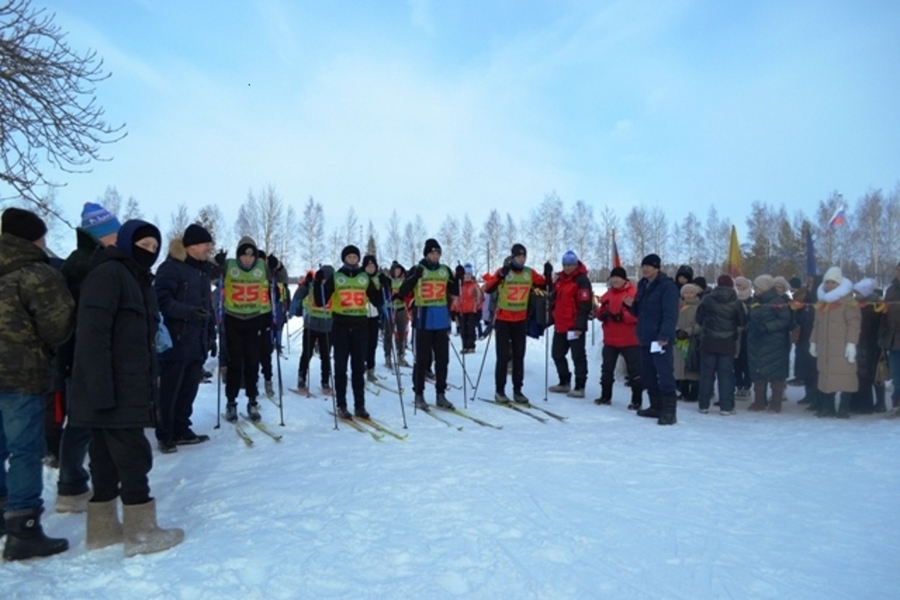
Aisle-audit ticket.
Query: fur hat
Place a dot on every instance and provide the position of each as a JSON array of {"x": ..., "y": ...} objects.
[
  {"x": 23, "y": 223},
  {"x": 690, "y": 287},
  {"x": 833, "y": 274},
  {"x": 764, "y": 283},
  {"x": 865, "y": 287},
  {"x": 782, "y": 282}
]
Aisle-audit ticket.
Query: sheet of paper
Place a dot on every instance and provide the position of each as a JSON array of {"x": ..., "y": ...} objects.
[{"x": 655, "y": 348}]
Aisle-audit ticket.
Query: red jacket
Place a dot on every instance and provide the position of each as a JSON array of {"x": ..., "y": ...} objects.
[
  {"x": 619, "y": 329},
  {"x": 571, "y": 300},
  {"x": 469, "y": 300}
]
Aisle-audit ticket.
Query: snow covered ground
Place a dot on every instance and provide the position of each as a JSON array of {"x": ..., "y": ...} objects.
[{"x": 604, "y": 505}]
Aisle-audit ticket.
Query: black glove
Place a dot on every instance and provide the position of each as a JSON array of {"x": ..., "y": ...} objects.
[
  {"x": 385, "y": 281},
  {"x": 320, "y": 276},
  {"x": 460, "y": 271},
  {"x": 213, "y": 348},
  {"x": 548, "y": 271},
  {"x": 504, "y": 271},
  {"x": 617, "y": 317},
  {"x": 220, "y": 258},
  {"x": 200, "y": 313},
  {"x": 605, "y": 316},
  {"x": 681, "y": 334},
  {"x": 420, "y": 272},
  {"x": 272, "y": 262}
]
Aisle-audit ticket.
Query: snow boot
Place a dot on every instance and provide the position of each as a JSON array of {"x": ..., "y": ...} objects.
[
  {"x": 843, "y": 411},
  {"x": 636, "y": 393},
  {"x": 270, "y": 389},
  {"x": 520, "y": 398},
  {"x": 371, "y": 377},
  {"x": 25, "y": 537},
  {"x": 166, "y": 446},
  {"x": 2, "y": 520},
  {"x": 759, "y": 396},
  {"x": 442, "y": 402},
  {"x": 578, "y": 392},
  {"x": 667, "y": 415},
  {"x": 501, "y": 398},
  {"x": 605, "y": 394},
  {"x": 879, "y": 399},
  {"x": 77, "y": 503},
  {"x": 103, "y": 526},
  {"x": 231, "y": 411},
  {"x": 826, "y": 405},
  {"x": 301, "y": 381},
  {"x": 360, "y": 411},
  {"x": 812, "y": 394},
  {"x": 777, "y": 396},
  {"x": 343, "y": 413},
  {"x": 654, "y": 410},
  {"x": 142, "y": 534},
  {"x": 388, "y": 362},
  {"x": 562, "y": 387},
  {"x": 189, "y": 438},
  {"x": 420, "y": 402},
  {"x": 253, "y": 410}
]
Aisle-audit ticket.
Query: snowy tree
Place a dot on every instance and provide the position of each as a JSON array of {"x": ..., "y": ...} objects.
[
  {"x": 447, "y": 236},
  {"x": 410, "y": 245},
  {"x": 111, "y": 200},
  {"x": 310, "y": 246},
  {"x": 717, "y": 235},
  {"x": 467, "y": 241},
  {"x": 372, "y": 240},
  {"x": 609, "y": 223},
  {"x": 637, "y": 224},
  {"x": 509, "y": 235},
  {"x": 132, "y": 210},
  {"x": 692, "y": 239},
  {"x": 394, "y": 240},
  {"x": 659, "y": 231},
  {"x": 266, "y": 218},
  {"x": 547, "y": 225},
  {"x": 868, "y": 231},
  {"x": 210, "y": 218},
  {"x": 352, "y": 228},
  {"x": 581, "y": 233},
  {"x": 490, "y": 240}
]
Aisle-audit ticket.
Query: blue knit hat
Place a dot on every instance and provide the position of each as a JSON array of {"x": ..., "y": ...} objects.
[
  {"x": 98, "y": 221},
  {"x": 469, "y": 269},
  {"x": 569, "y": 258}
]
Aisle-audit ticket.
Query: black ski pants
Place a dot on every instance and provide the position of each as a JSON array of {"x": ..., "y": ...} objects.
[
  {"x": 120, "y": 462},
  {"x": 311, "y": 340},
  {"x": 350, "y": 336},
  {"x": 374, "y": 324},
  {"x": 178, "y": 385},
  {"x": 467, "y": 322},
  {"x": 266, "y": 345},
  {"x": 561, "y": 346},
  {"x": 242, "y": 341},
  {"x": 611, "y": 355},
  {"x": 511, "y": 337},
  {"x": 431, "y": 344}
]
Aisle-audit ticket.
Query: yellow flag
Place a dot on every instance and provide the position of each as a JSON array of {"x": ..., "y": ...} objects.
[{"x": 733, "y": 262}]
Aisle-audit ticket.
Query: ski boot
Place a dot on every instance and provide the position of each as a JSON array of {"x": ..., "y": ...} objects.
[
  {"x": 343, "y": 413},
  {"x": 501, "y": 398},
  {"x": 442, "y": 402},
  {"x": 371, "y": 377},
  {"x": 520, "y": 398},
  {"x": 420, "y": 402},
  {"x": 270, "y": 389},
  {"x": 560, "y": 388},
  {"x": 231, "y": 411},
  {"x": 388, "y": 362},
  {"x": 360, "y": 411},
  {"x": 253, "y": 410}
]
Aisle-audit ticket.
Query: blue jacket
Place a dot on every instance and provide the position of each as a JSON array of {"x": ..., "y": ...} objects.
[
  {"x": 182, "y": 285},
  {"x": 430, "y": 318},
  {"x": 656, "y": 308}
]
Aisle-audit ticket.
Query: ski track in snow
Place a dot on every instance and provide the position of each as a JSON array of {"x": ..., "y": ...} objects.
[{"x": 605, "y": 505}]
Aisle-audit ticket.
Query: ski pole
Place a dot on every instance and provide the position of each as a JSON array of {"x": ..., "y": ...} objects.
[
  {"x": 274, "y": 339},
  {"x": 220, "y": 329},
  {"x": 484, "y": 356}
]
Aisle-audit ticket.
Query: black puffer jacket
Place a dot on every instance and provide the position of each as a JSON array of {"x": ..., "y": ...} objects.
[
  {"x": 114, "y": 374},
  {"x": 720, "y": 314},
  {"x": 767, "y": 328},
  {"x": 182, "y": 286},
  {"x": 867, "y": 350}
]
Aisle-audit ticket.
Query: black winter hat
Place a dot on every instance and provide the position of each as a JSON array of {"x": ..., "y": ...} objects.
[
  {"x": 195, "y": 234},
  {"x": 618, "y": 272},
  {"x": 24, "y": 224},
  {"x": 351, "y": 249},
  {"x": 700, "y": 282},
  {"x": 431, "y": 245},
  {"x": 652, "y": 260},
  {"x": 369, "y": 259},
  {"x": 518, "y": 249},
  {"x": 685, "y": 271},
  {"x": 795, "y": 283}
]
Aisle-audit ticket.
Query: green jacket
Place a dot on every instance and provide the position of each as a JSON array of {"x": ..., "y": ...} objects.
[{"x": 36, "y": 315}]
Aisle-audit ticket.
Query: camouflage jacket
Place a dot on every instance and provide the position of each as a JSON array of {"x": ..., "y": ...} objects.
[{"x": 36, "y": 315}]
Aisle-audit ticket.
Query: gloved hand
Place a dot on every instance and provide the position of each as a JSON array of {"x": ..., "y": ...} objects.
[
  {"x": 850, "y": 352},
  {"x": 548, "y": 271},
  {"x": 201, "y": 314},
  {"x": 617, "y": 317},
  {"x": 420, "y": 272},
  {"x": 460, "y": 272},
  {"x": 604, "y": 316},
  {"x": 309, "y": 277},
  {"x": 320, "y": 276},
  {"x": 273, "y": 263},
  {"x": 812, "y": 350},
  {"x": 681, "y": 334},
  {"x": 504, "y": 271},
  {"x": 384, "y": 280},
  {"x": 220, "y": 258},
  {"x": 213, "y": 348}
]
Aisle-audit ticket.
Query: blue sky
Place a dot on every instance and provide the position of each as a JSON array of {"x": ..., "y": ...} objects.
[{"x": 434, "y": 106}]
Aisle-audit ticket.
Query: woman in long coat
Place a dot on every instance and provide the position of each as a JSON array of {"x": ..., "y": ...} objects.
[
  {"x": 833, "y": 342},
  {"x": 687, "y": 333},
  {"x": 768, "y": 356},
  {"x": 114, "y": 390}
]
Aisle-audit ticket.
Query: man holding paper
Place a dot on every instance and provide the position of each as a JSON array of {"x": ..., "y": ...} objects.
[{"x": 656, "y": 307}]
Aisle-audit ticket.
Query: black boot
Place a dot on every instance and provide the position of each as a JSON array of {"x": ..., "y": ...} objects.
[
  {"x": 812, "y": 394},
  {"x": 654, "y": 410},
  {"x": 843, "y": 411},
  {"x": 605, "y": 394},
  {"x": 667, "y": 415},
  {"x": 636, "y": 393},
  {"x": 826, "y": 405},
  {"x": 25, "y": 537},
  {"x": 231, "y": 411},
  {"x": 879, "y": 398}
]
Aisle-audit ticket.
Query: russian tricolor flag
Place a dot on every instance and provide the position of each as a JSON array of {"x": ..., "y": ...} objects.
[{"x": 837, "y": 218}]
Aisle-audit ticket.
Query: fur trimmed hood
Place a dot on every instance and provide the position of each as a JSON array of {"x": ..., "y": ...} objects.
[{"x": 844, "y": 288}]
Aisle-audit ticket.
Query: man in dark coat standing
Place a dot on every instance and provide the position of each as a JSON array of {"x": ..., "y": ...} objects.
[
  {"x": 656, "y": 307},
  {"x": 183, "y": 292},
  {"x": 36, "y": 312}
]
